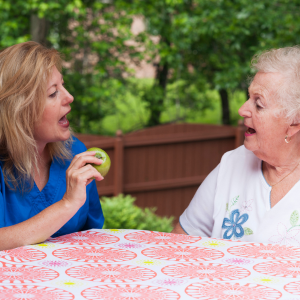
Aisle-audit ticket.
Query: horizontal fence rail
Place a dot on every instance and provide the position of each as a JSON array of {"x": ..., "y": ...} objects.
[{"x": 163, "y": 166}]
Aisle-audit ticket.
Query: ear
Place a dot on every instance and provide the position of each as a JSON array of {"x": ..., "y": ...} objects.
[{"x": 293, "y": 129}]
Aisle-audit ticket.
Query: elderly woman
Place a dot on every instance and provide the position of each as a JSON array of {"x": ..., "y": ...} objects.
[
  {"x": 254, "y": 193},
  {"x": 46, "y": 186}
]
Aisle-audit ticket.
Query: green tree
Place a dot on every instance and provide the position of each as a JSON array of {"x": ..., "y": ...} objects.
[
  {"x": 92, "y": 37},
  {"x": 214, "y": 39}
]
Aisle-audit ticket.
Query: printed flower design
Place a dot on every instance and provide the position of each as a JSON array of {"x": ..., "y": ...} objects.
[
  {"x": 234, "y": 225},
  {"x": 247, "y": 205},
  {"x": 238, "y": 261},
  {"x": 267, "y": 280},
  {"x": 213, "y": 243},
  {"x": 285, "y": 236},
  {"x": 148, "y": 262}
]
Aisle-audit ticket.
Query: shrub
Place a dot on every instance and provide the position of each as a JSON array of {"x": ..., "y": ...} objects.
[{"x": 121, "y": 213}]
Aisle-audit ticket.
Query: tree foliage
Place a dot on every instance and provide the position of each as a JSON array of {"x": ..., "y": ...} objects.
[{"x": 194, "y": 44}]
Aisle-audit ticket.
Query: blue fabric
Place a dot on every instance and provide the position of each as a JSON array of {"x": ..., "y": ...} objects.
[{"x": 16, "y": 207}]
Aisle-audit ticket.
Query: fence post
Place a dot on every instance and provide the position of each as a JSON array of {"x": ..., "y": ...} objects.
[
  {"x": 118, "y": 163},
  {"x": 239, "y": 134}
]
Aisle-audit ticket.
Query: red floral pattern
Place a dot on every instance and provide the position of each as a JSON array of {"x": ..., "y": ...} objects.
[
  {"x": 293, "y": 288},
  {"x": 263, "y": 251},
  {"x": 228, "y": 291},
  {"x": 22, "y": 254},
  {"x": 129, "y": 292},
  {"x": 206, "y": 271},
  {"x": 182, "y": 253},
  {"x": 91, "y": 238},
  {"x": 94, "y": 254},
  {"x": 288, "y": 269},
  {"x": 11, "y": 273},
  {"x": 33, "y": 292},
  {"x": 108, "y": 273},
  {"x": 161, "y": 238}
]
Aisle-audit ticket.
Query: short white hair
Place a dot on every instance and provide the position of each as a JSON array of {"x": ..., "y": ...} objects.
[{"x": 285, "y": 61}]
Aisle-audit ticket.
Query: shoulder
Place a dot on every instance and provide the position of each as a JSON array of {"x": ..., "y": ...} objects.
[
  {"x": 77, "y": 146},
  {"x": 240, "y": 154}
]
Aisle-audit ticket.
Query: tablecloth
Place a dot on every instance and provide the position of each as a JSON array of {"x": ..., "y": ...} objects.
[{"x": 132, "y": 264}]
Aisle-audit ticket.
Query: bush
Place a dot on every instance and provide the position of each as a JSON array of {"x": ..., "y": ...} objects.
[{"x": 121, "y": 213}]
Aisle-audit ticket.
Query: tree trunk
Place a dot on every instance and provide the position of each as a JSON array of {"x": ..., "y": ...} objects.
[
  {"x": 156, "y": 102},
  {"x": 39, "y": 29},
  {"x": 225, "y": 107}
]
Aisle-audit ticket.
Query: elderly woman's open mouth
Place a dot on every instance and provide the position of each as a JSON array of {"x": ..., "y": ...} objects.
[{"x": 249, "y": 131}]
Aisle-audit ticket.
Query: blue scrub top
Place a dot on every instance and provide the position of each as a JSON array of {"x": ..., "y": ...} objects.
[{"x": 16, "y": 207}]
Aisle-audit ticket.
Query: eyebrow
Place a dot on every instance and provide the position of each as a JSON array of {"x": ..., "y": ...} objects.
[{"x": 54, "y": 85}]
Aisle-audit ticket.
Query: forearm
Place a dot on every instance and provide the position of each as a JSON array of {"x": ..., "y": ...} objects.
[
  {"x": 178, "y": 229},
  {"x": 38, "y": 228}
]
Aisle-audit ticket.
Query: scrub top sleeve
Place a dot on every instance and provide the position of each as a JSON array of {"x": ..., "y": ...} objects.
[
  {"x": 95, "y": 219},
  {"x": 2, "y": 210},
  {"x": 197, "y": 219}
]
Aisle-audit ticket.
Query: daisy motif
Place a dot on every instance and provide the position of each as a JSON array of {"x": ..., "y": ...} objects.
[
  {"x": 44, "y": 245},
  {"x": 148, "y": 262},
  {"x": 69, "y": 283},
  {"x": 247, "y": 205},
  {"x": 285, "y": 236},
  {"x": 213, "y": 243},
  {"x": 267, "y": 280},
  {"x": 116, "y": 231},
  {"x": 169, "y": 281},
  {"x": 238, "y": 261},
  {"x": 130, "y": 245}
]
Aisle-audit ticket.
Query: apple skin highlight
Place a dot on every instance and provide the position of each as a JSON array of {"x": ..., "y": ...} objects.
[{"x": 105, "y": 166}]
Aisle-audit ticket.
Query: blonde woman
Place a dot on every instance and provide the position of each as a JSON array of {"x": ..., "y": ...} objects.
[{"x": 45, "y": 176}]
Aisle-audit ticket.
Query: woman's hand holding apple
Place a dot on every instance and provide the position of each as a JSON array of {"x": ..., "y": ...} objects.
[{"x": 79, "y": 174}]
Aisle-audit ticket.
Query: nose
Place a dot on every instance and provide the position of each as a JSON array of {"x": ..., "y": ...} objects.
[
  {"x": 68, "y": 97},
  {"x": 244, "y": 110}
]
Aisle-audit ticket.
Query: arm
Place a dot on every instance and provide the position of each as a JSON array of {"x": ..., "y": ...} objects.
[
  {"x": 178, "y": 229},
  {"x": 198, "y": 219},
  {"x": 43, "y": 225}
]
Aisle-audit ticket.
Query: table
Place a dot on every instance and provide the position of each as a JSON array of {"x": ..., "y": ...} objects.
[{"x": 132, "y": 264}]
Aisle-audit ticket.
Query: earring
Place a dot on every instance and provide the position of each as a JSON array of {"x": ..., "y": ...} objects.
[{"x": 287, "y": 139}]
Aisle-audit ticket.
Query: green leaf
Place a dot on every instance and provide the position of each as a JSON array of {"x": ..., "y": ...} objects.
[
  {"x": 294, "y": 218},
  {"x": 226, "y": 206},
  {"x": 247, "y": 231},
  {"x": 121, "y": 213},
  {"x": 234, "y": 201}
]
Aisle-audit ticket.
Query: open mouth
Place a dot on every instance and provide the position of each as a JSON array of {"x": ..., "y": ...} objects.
[
  {"x": 250, "y": 131},
  {"x": 63, "y": 120}
]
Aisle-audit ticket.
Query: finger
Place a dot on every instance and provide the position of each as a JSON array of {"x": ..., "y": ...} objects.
[
  {"x": 88, "y": 170},
  {"x": 83, "y": 160},
  {"x": 82, "y": 154}
]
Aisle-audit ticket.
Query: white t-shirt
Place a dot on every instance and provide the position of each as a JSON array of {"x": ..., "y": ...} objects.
[{"x": 233, "y": 202}]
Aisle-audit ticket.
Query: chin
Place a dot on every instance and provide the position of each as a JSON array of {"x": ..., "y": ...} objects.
[{"x": 249, "y": 146}]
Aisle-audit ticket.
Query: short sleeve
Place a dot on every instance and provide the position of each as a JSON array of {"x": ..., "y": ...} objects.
[{"x": 197, "y": 219}]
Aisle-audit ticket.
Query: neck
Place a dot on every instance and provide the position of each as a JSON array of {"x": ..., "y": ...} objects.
[{"x": 43, "y": 155}]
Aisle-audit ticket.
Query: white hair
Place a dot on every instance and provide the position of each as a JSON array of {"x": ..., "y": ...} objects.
[{"x": 285, "y": 61}]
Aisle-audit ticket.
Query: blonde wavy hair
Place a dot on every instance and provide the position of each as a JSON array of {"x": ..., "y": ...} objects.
[
  {"x": 285, "y": 61},
  {"x": 24, "y": 73}
]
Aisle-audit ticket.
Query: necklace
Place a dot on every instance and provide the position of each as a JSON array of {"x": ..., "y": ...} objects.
[{"x": 272, "y": 185}]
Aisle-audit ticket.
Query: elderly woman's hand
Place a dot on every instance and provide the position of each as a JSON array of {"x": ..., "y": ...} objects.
[{"x": 79, "y": 174}]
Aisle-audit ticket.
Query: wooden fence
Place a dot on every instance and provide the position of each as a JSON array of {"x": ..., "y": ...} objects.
[{"x": 163, "y": 166}]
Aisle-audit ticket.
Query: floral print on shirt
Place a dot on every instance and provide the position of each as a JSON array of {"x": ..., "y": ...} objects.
[
  {"x": 233, "y": 224},
  {"x": 288, "y": 236}
]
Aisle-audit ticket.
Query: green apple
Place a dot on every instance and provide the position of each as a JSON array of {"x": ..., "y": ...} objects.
[{"x": 104, "y": 167}]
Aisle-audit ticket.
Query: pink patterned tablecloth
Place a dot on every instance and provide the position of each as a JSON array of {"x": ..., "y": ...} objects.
[{"x": 145, "y": 265}]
